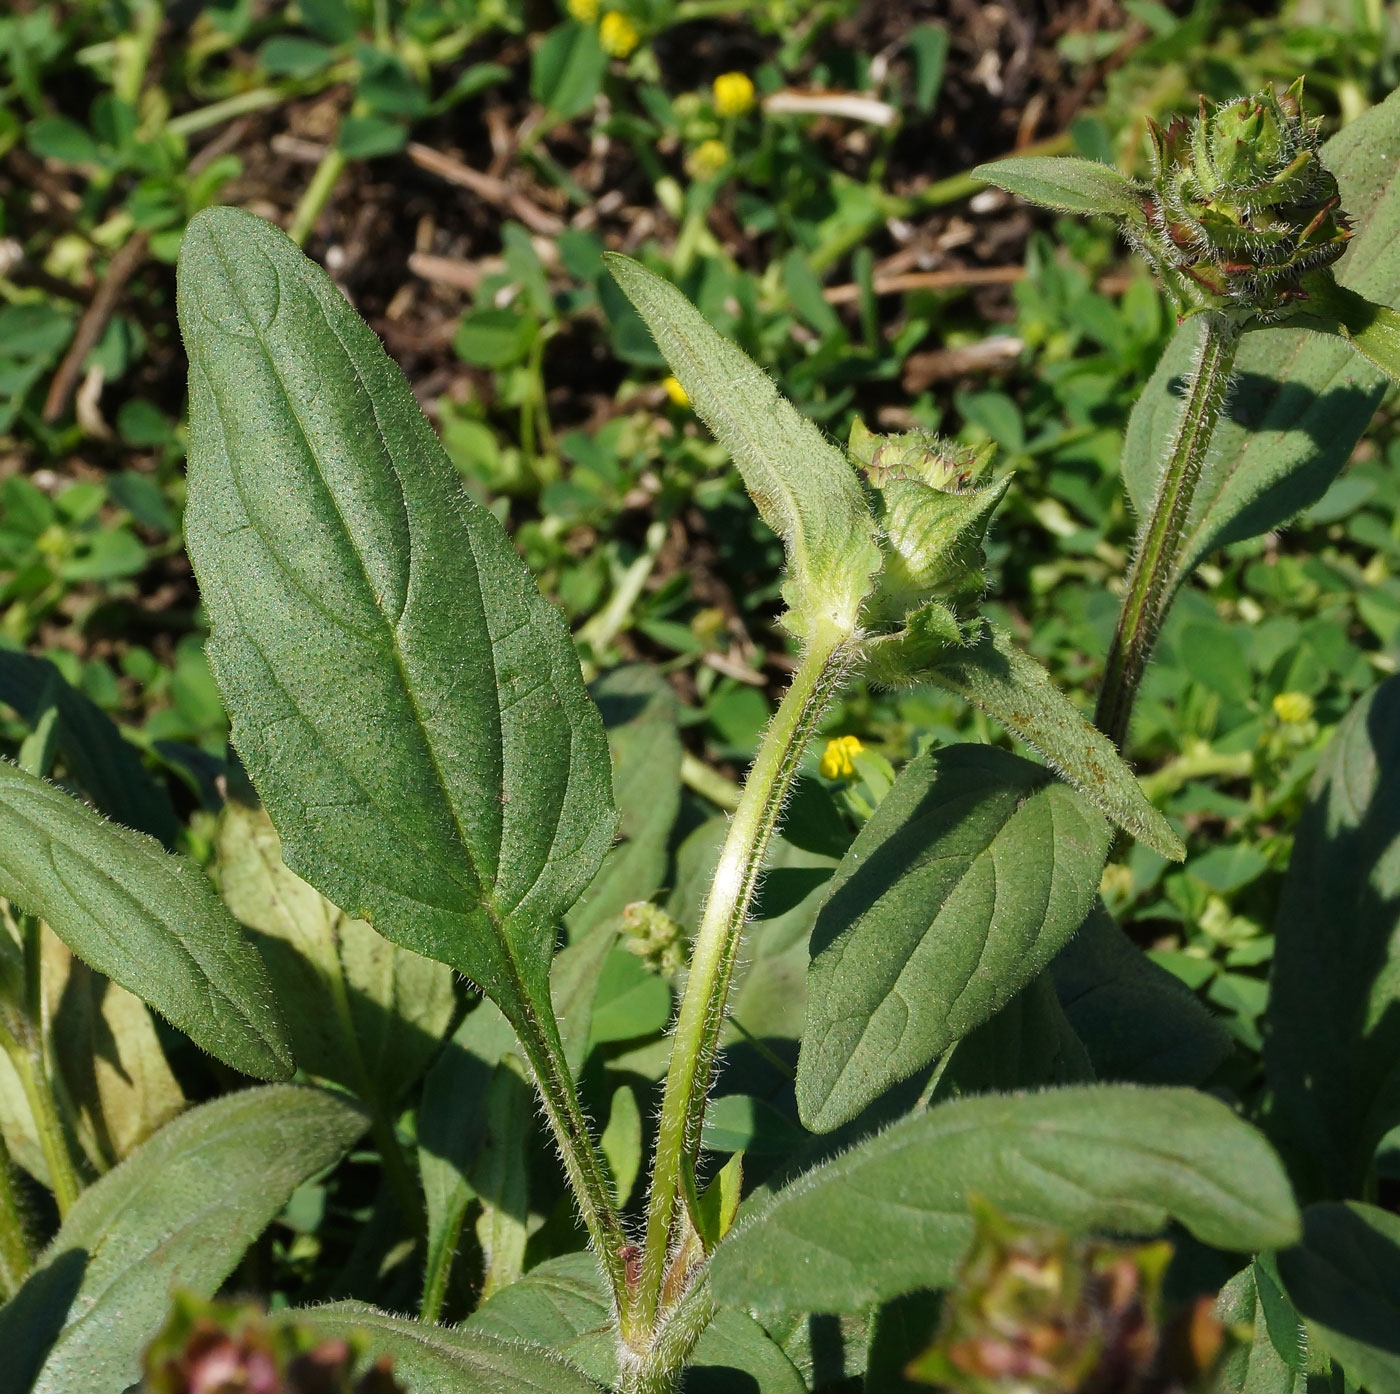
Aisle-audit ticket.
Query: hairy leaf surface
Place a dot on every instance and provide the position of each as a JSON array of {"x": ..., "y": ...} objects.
[
  {"x": 1301, "y": 399},
  {"x": 147, "y": 919},
  {"x": 1067, "y": 184},
  {"x": 892, "y": 1215},
  {"x": 972, "y": 873},
  {"x": 1012, "y": 688},
  {"x": 803, "y": 486},
  {"x": 179, "y": 1212},
  {"x": 409, "y": 706}
]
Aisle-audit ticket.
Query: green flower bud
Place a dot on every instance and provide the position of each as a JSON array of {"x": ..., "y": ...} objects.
[
  {"x": 933, "y": 508},
  {"x": 1240, "y": 208}
]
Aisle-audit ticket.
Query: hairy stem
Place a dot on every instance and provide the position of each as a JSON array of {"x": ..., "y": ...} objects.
[
  {"x": 1153, "y": 579},
  {"x": 16, "y": 1257},
  {"x": 701, "y": 1016}
]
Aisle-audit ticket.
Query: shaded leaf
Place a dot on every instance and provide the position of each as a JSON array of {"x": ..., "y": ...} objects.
[
  {"x": 803, "y": 486},
  {"x": 178, "y": 1213},
  {"x": 971, "y": 874},
  {"x": 892, "y": 1215},
  {"x": 1334, "y": 1003},
  {"x": 147, "y": 919},
  {"x": 1344, "y": 1279},
  {"x": 409, "y": 706},
  {"x": 995, "y": 676},
  {"x": 1138, "y": 1022}
]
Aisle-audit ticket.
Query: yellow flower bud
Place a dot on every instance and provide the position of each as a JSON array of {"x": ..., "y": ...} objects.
[
  {"x": 1294, "y": 708},
  {"x": 707, "y": 159},
  {"x": 585, "y": 11},
  {"x": 733, "y": 94},
  {"x": 837, "y": 760},
  {"x": 618, "y": 34},
  {"x": 676, "y": 392}
]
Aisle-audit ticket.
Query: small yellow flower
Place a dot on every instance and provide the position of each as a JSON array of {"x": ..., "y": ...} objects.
[
  {"x": 618, "y": 34},
  {"x": 1293, "y": 707},
  {"x": 707, "y": 159},
  {"x": 837, "y": 760},
  {"x": 733, "y": 94},
  {"x": 585, "y": 11},
  {"x": 676, "y": 392}
]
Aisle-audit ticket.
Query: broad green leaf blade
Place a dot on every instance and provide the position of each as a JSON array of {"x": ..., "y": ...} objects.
[
  {"x": 1139, "y": 1023},
  {"x": 408, "y": 705},
  {"x": 435, "y": 1359},
  {"x": 803, "y": 486},
  {"x": 178, "y": 1213},
  {"x": 1255, "y": 1367},
  {"x": 638, "y": 708},
  {"x": 562, "y": 1304},
  {"x": 1333, "y": 1035},
  {"x": 1066, "y": 184},
  {"x": 1344, "y": 1279},
  {"x": 147, "y": 919},
  {"x": 995, "y": 676},
  {"x": 971, "y": 875},
  {"x": 1301, "y": 400},
  {"x": 891, "y": 1215},
  {"x": 364, "y": 1012},
  {"x": 100, "y": 760},
  {"x": 1372, "y": 330}
]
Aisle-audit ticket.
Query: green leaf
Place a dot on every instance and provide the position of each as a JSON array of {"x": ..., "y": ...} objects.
[
  {"x": 1301, "y": 400},
  {"x": 972, "y": 873},
  {"x": 1333, "y": 1035},
  {"x": 929, "y": 45},
  {"x": 566, "y": 72},
  {"x": 892, "y": 1215},
  {"x": 1138, "y": 1022},
  {"x": 409, "y": 706},
  {"x": 638, "y": 707},
  {"x": 178, "y": 1213},
  {"x": 106, "y": 766},
  {"x": 995, "y": 676},
  {"x": 562, "y": 1304},
  {"x": 803, "y": 486},
  {"x": 149, "y": 920},
  {"x": 1372, "y": 330},
  {"x": 494, "y": 338},
  {"x": 363, "y": 1012},
  {"x": 294, "y": 55},
  {"x": 1344, "y": 1279},
  {"x": 1067, "y": 184},
  {"x": 1255, "y": 1367},
  {"x": 431, "y": 1359}
]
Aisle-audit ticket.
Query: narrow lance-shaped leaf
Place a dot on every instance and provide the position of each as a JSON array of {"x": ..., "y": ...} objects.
[
  {"x": 1066, "y": 184},
  {"x": 892, "y": 1214},
  {"x": 408, "y": 705},
  {"x": 803, "y": 486},
  {"x": 972, "y": 873},
  {"x": 179, "y": 1212},
  {"x": 147, "y": 919},
  {"x": 995, "y": 676}
]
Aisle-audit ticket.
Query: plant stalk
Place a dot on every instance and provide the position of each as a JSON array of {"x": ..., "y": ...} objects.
[
  {"x": 53, "y": 1138},
  {"x": 16, "y": 1256},
  {"x": 1153, "y": 577},
  {"x": 701, "y": 1016}
]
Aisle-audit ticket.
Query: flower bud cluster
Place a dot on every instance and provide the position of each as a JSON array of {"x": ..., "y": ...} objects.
[{"x": 1240, "y": 207}]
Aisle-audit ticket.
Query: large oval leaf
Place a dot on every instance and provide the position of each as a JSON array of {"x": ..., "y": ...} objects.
[
  {"x": 1334, "y": 1007},
  {"x": 147, "y": 919},
  {"x": 408, "y": 705},
  {"x": 892, "y": 1215},
  {"x": 970, "y": 876},
  {"x": 179, "y": 1212},
  {"x": 1301, "y": 399}
]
